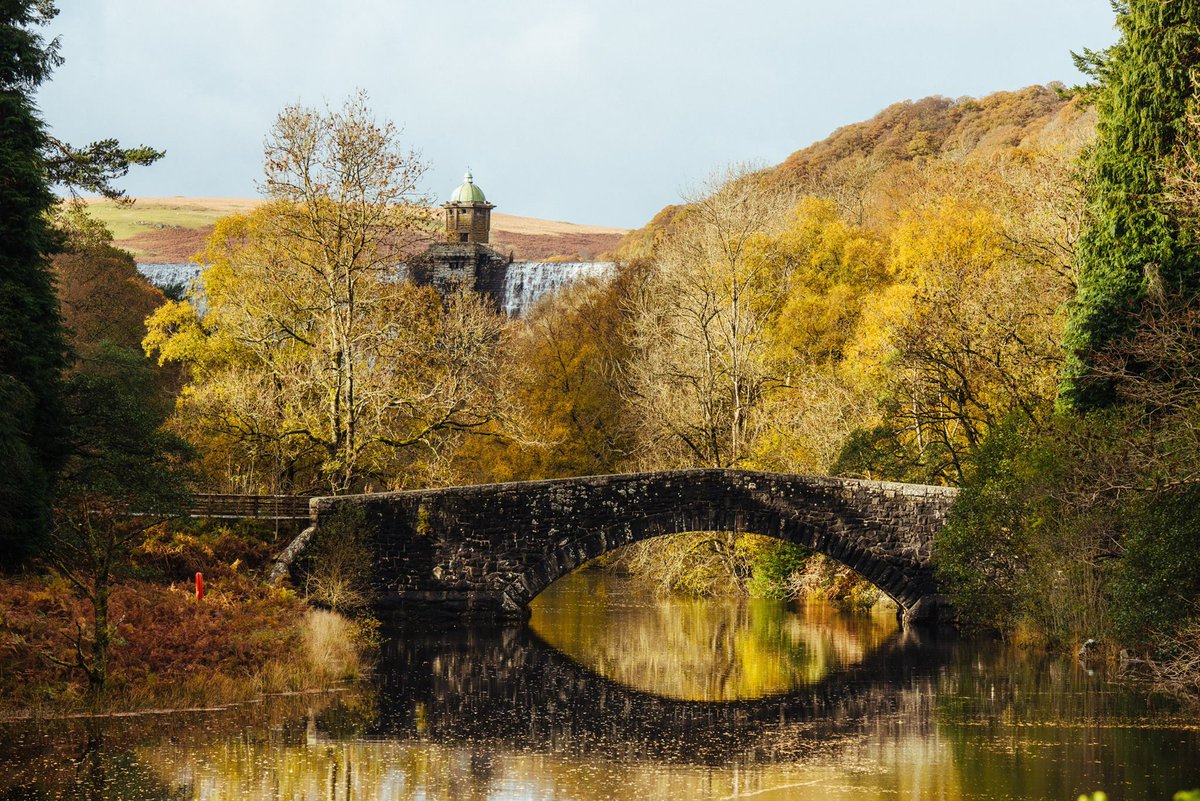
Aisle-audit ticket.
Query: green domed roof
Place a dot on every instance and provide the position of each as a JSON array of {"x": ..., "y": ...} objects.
[{"x": 468, "y": 192}]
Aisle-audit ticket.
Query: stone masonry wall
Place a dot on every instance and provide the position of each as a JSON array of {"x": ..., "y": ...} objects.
[
  {"x": 488, "y": 550},
  {"x": 447, "y": 266}
]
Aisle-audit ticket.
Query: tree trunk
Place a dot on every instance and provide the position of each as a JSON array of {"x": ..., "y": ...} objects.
[{"x": 98, "y": 673}]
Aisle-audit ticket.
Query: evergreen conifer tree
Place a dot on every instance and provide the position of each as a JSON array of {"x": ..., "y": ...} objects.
[
  {"x": 1146, "y": 90},
  {"x": 32, "y": 349}
]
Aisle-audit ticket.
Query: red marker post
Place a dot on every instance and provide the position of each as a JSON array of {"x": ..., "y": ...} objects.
[{"x": 199, "y": 586}]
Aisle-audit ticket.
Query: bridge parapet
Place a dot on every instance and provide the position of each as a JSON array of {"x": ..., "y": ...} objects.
[{"x": 488, "y": 550}]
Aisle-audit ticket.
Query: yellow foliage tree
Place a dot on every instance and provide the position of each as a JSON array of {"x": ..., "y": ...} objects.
[
  {"x": 563, "y": 364},
  {"x": 968, "y": 335},
  {"x": 832, "y": 268},
  {"x": 312, "y": 365},
  {"x": 699, "y": 321}
]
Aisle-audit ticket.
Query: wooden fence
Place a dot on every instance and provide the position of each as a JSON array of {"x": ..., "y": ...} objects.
[{"x": 241, "y": 507}]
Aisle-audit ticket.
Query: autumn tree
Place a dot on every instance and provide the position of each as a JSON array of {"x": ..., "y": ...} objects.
[
  {"x": 833, "y": 268},
  {"x": 965, "y": 336},
  {"x": 698, "y": 371},
  {"x": 312, "y": 362},
  {"x": 700, "y": 320},
  {"x": 565, "y": 367},
  {"x": 103, "y": 298}
]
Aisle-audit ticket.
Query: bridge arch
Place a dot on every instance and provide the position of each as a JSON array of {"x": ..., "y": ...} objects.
[
  {"x": 489, "y": 550},
  {"x": 900, "y": 583}
]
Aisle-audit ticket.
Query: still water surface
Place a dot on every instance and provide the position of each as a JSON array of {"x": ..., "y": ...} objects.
[{"x": 612, "y": 694}]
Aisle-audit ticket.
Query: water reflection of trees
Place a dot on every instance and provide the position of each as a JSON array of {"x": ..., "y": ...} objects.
[
  {"x": 476, "y": 713},
  {"x": 700, "y": 649},
  {"x": 424, "y": 771},
  {"x": 91, "y": 768},
  {"x": 1059, "y": 729},
  {"x": 102, "y": 758}
]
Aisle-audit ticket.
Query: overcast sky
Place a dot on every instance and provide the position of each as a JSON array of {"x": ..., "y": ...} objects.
[{"x": 597, "y": 111}]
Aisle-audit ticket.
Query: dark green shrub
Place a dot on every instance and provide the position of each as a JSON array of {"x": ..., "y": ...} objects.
[
  {"x": 1157, "y": 587},
  {"x": 773, "y": 567},
  {"x": 980, "y": 554},
  {"x": 1032, "y": 536}
]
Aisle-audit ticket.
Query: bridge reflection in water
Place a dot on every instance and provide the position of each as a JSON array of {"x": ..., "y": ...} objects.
[
  {"x": 508, "y": 686},
  {"x": 575, "y": 706}
]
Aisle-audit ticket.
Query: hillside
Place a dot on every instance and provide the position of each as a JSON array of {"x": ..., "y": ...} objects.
[
  {"x": 858, "y": 158},
  {"x": 936, "y": 126},
  {"x": 864, "y": 156},
  {"x": 174, "y": 229}
]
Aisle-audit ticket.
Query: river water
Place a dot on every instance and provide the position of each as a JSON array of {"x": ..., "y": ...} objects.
[{"x": 610, "y": 693}]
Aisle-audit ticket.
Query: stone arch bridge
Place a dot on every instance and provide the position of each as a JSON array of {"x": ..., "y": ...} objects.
[{"x": 488, "y": 550}]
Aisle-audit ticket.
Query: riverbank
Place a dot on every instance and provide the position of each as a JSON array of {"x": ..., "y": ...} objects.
[
  {"x": 742, "y": 565},
  {"x": 242, "y": 640}
]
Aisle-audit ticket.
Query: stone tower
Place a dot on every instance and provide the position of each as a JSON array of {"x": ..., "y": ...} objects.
[
  {"x": 468, "y": 214},
  {"x": 464, "y": 258}
]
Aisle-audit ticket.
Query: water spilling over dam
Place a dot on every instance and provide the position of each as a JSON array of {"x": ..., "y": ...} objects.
[
  {"x": 524, "y": 284},
  {"x": 527, "y": 282},
  {"x": 171, "y": 275}
]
